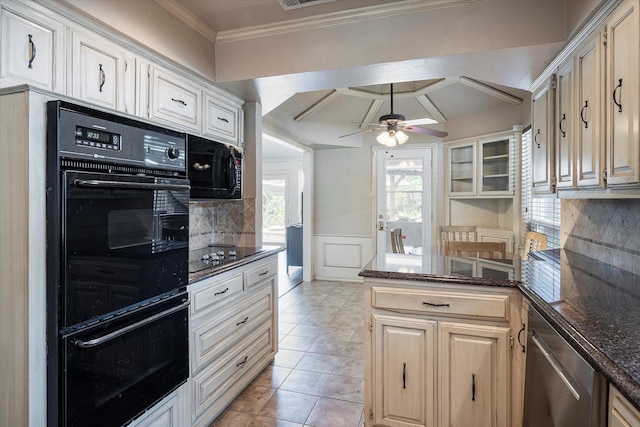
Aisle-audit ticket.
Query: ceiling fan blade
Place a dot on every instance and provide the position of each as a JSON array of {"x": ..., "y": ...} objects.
[
  {"x": 417, "y": 122},
  {"x": 355, "y": 133},
  {"x": 426, "y": 131}
]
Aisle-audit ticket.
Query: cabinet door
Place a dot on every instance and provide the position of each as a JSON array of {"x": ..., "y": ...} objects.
[
  {"x": 495, "y": 168},
  {"x": 623, "y": 162},
  {"x": 542, "y": 170},
  {"x": 32, "y": 50},
  {"x": 223, "y": 119},
  {"x": 174, "y": 99},
  {"x": 98, "y": 71},
  {"x": 474, "y": 372},
  {"x": 564, "y": 132},
  {"x": 621, "y": 413},
  {"x": 461, "y": 169},
  {"x": 589, "y": 150},
  {"x": 404, "y": 372}
]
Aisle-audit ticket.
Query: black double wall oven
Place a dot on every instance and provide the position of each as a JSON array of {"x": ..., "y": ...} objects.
[{"x": 117, "y": 265}]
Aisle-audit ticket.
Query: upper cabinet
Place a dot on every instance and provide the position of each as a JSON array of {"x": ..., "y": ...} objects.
[
  {"x": 461, "y": 169},
  {"x": 542, "y": 153},
  {"x": 32, "y": 48},
  {"x": 99, "y": 72},
  {"x": 174, "y": 99},
  {"x": 564, "y": 131},
  {"x": 222, "y": 118}
]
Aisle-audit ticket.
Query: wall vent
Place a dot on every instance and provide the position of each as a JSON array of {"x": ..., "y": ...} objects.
[{"x": 295, "y": 4}]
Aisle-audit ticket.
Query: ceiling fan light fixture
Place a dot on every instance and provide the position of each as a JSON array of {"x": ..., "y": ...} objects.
[
  {"x": 392, "y": 138},
  {"x": 401, "y": 137}
]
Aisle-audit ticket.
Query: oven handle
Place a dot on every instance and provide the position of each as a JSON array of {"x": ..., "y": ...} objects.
[
  {"x": 103, "y": 339},
  {"x": 128, "y": 185}
]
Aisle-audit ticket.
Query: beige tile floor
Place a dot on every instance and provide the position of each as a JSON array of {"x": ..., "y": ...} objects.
[{"x": 316, "y": 378}]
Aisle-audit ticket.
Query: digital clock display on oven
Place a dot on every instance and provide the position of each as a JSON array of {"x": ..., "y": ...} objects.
[{"x": 98, "y": 138}]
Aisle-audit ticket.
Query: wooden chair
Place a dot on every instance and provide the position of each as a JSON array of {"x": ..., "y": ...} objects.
[
  {"x": 534, "y": 241},
  {"x": 492, "y": 250},
  {"x": 396, "y": 241},
  {"x": 458, "y": 233}
]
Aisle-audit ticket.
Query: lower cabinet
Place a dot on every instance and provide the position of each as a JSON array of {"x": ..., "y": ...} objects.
[
  {"x": 442, "y": 355},
  {"x": 621, "y": 412},
  {"x": 169, "y": 412}
]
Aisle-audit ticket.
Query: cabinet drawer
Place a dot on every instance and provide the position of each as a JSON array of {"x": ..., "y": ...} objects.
[
  {"x": 206, "y": 296},
  {"x": 220, "y": 333},
  {"x": 221, "y": 376},
  {"x": 222, "y": 119},
  {"x": 259, "y": 273},
  {"x": 443, "y": 303},
  {"x": 175, "y": 100}
]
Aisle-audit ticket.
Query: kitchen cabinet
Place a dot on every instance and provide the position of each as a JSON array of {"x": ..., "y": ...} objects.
[
  {"x": 623, "y": 95},
  {"x": 169, "y": 412},
  {"x": 565, "y": 127},
  {"x": 495, "y": 167},
  {"x": 233, "y": 334},
  {"x": 441, "y": 352},
  {"x": 223, "y": 118},
  {"x": 32, "y": 48},
  {"x": 621, "y": 412},
  {"x": 174, "y": 99},
  {"x": 461, "y": 162},
  {"x": 101, "y": 72},
  {"x": 542, "y": 127}
]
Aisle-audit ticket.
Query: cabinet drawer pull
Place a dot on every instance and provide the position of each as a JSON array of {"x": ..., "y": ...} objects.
[
  {"x": 473, "y": 387},
  {"x": 519, "y": 340},
  {"x": 243, "y": 361},
  {"x": 586, "y": 124},
  {"x": 222, "y": 119},
  {"x": 32, "y": 51},
  {"x": 179, "y": 102},
  {"x": 264, "y": 273},
  {"x": 562, "y": 120},
  {"x": 432, "y": 304},
  {"x": 246, "y": 319},
  {"x": 404, "y": 375},
  {"x": 535, "y": 138},
  {"x": 222, "y": 292},
  {"x": 618, "y": 104},
  {"x": 102, "y": 76}
]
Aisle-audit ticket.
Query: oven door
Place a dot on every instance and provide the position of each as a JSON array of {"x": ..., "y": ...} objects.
[
  {"x": 125, "y": 240},
  {"x": 116, "y": 369}
]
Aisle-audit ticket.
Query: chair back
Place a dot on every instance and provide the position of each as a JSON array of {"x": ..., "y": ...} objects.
[
  {"x": 396, "y": 241},
  {"x": 491, "y": 250},
  {"x": 534, "y": 241},
  {"x": 458, "y": 233}
]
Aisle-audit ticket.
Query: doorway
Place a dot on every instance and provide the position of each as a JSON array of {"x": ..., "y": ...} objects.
[{"x": 403, "y": 198}]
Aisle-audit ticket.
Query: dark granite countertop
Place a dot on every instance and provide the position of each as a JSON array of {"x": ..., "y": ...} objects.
[
  {"x": 245, "y": 255},
  {"x": 594, "y": 306}
]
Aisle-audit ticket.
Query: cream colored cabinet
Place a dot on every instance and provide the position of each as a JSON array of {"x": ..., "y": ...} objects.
[
  {"x": 461, "y": 174},
  {"x": 173, "y": 99},
  {"x": 565, "y": 127},
  {"x": 589, "y": 108},
  {"x": 233, "y": 335},
  {"x": 622, "y": 94},
  {"x": 475, "y": 375},
  {"x": 439, "y": 354},
  {"x": 32, "y": 49},
  {"x": 542, "y": 127},
  {"x": 404, "y": 371},
  {"x": 621, "y": 412},
  {"x": 101, "y": 72},
  {"x": 169, "y": 412},
  {"x": 223, "y": 119}
]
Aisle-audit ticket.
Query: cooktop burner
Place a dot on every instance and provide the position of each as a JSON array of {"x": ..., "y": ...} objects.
[{"x": 214, "y": 256}]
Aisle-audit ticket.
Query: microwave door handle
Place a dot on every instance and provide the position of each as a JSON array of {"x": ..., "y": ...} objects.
[
  {"x": 95, "y": 183},
  {"x": 115, "y": 334},
  {"x": 232, "y": 173}
]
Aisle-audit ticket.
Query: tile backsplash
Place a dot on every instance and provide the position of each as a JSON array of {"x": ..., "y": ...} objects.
[
  {"x": 607, "y": 230},
  {"x": 228, "y": 222}
]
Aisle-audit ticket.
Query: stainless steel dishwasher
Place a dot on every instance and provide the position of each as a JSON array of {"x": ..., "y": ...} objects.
[{"x": 561, "y": 388}]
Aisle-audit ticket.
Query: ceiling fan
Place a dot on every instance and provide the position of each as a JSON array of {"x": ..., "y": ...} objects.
[{"x": 393, "y": 127}]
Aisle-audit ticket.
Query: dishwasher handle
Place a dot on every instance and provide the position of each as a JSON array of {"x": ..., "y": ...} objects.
[{"x": 555, "y": 363}]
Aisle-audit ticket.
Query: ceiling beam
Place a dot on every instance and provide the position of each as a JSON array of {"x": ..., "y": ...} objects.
[
  {"x": 489, "y": 90},
  {"x": 431, "y": 108},
  {"x": 317, "y": 106},
  {"x": 371, "y": 113}
]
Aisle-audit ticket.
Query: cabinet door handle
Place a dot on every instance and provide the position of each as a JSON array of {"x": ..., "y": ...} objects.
[
  {"x": 404, "y": 375},
  {"x": 102, "y": 76},
  {"x": 562, "y": 120},
  {"x": 586, "y": 124},
  {"x": 32, "y": 51},
  {"x": 222, "y": 119},
  {"x": 473, "y": 387},
  {"x": 179, "y": 102},
  {"x": 535, "y": 138},
  {"x": 264, "y": 273},
  {"x": 222, "y": 292},
  {"x": 245, "y": 320},
  {"x": 519, "y": 340},
  {"x": 619, "y": 104},
  {"x": 433, "y": 304},
  {"x": 243, "y": 361}
]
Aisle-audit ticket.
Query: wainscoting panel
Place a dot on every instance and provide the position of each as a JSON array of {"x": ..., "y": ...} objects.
[{"x": 341, "y": 257}]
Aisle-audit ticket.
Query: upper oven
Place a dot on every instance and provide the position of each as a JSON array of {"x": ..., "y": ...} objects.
[
  {"x": 214, "y": 168},
  {"x": 117, "y": 265}
]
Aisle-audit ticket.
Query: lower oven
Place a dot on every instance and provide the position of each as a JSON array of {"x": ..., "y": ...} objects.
[
  {"x": 117, "y": 266},
  {"x": 115, "y": 368}
]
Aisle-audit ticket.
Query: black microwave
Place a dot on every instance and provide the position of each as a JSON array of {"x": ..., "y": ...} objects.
[{"x": 214, "y": 169}]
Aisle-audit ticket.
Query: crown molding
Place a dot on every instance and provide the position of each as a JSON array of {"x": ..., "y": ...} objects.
[
  {"x": 189, "y": 18},
  {"x": 338, "y": 18}
]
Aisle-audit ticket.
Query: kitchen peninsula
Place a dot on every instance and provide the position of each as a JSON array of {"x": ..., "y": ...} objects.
[{"x": 449, "y": 312}]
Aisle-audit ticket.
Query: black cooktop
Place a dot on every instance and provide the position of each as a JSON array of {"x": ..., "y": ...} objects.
[{"x": 214, "y": 256}]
